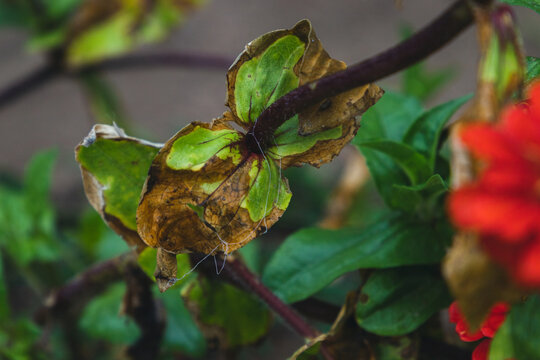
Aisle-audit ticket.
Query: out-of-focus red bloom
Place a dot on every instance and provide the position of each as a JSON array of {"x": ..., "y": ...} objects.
[
  {"x": 503, "y": 205},
  {"x": 481, "y": 351},
  {"x": 488, "y": 328}
]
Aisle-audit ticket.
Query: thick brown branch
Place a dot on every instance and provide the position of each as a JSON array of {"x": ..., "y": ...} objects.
[{"x": 425, "y": 42}]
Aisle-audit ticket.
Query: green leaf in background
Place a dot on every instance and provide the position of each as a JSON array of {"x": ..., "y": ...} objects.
[
  {"x": 15, "y": 13},
  {"x": 132, "y": 24},
  {"x": 518, "y": 336},
  {"x": 531, "y": 4},
  {"x": 4, "y": 303},
  {"x": 18, "y": 339},
  {"x": 107, "y": 39},
  {"x": 533, "y": 68},
  {"x": 397, "y": 348},
  {"x": 181, "y": 333},
  {"x": 312, "y": 258},
  {"x": 388, "y": 119},
  {"x": 413, "y": 164},
  {"x": 239, "y": 317},
  {"x": 59, "y": 9},
  {"x": 418, "y": 81},
  {"x": 502, "y": 347},
  {"x": 420, "y": 199},
  {"x": 114, "y": 168},
  {"x": 101, "y": 319},
  {"x": 27, "y": 221},
  {"x": 425, "y": 132},
  {"x": 105, "y": 105},
  {"x": 397, "y": 301}
]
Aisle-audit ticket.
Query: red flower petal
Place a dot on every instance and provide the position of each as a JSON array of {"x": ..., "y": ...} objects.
[
  {"x": 510, "y": 178},
  {"x": 495, "y": 319},
  {"x": 487, "y": 143},
  {"x": 509, "y": 217},
  {"x": 528, "y": 267},
  {"x": 462, "y": 328},
  {"x": 534, "y": 102},
  {"x": 481, "y": 351}
]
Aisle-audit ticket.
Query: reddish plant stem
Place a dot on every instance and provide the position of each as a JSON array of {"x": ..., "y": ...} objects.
[
  {"x": 425, "y": 42},
  {"x": 251, "y": 281}
]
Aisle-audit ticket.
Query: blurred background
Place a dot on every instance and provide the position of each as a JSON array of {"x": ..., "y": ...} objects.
[{"x": 156, "y": 103}]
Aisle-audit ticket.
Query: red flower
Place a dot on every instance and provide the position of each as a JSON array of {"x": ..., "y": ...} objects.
[
  {"x": 481, "y": 351},
  {"x": 503, "y": 205},
  {"x": 488, "y": 328}
]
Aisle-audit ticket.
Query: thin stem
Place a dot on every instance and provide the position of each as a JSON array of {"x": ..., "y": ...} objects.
[
  {"x": 168, "y": 59},
  {"x": 86, "y": 285},
  {"x": 48, "y": 72},
  {"x": 425, "y": 42},
  {"x": 251, "y": 281},
  {"x": 28, "y": 83}
]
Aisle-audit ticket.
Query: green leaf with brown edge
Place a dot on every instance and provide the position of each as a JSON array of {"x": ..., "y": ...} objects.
[
  {"x": 114, "y": 167},
  {"x": 262, "y": 80},
  {"x": 218, "y": 195},
  {"x": 235, "y": 317},
  {"x": 278, "y": 62},
  {"x": 311, "y": 258},
  {"x": 397, "y": 301},
  {"x": 219, "y": 189}
]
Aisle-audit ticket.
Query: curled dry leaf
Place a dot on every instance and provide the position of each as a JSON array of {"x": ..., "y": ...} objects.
[
  {"x": 114, "y": 167},
  {"x": 205, "y": 193},
  {"x": 213, "y": 188}
]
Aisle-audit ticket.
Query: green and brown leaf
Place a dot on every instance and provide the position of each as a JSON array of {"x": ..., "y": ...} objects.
[{"x": 114, "y": 167}]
